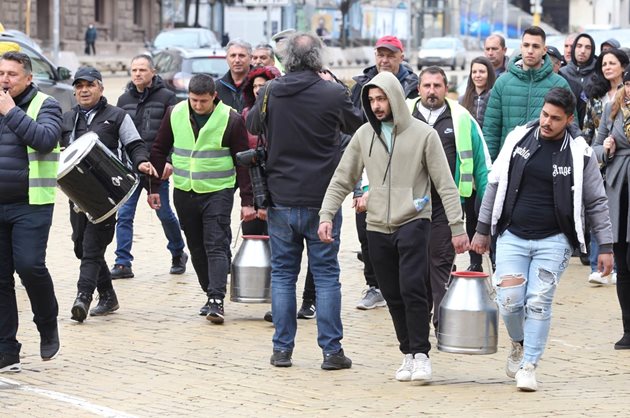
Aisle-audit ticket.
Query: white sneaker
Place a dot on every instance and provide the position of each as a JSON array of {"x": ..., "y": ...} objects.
[
  {"x": 613, "y": 278},
  {"x": 526, "y": 378},
  {"x": 514, "y": 359},
  {"x": 597, "y": 279},
  {"x": 421, "y": 368},
  {"x": 403, "y": 374}
]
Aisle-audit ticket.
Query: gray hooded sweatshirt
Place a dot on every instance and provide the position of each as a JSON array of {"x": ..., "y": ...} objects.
[{"x": 397, "y": 177}]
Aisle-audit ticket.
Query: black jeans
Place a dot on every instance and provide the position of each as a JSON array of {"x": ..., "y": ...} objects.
[
  {"x": 90, "y": 242},
  {"x": 205, "y": 220},
  {"x": 368, "y": 269},
  {"x": 621, "y": 250},
  {"x": 24, "y": 232},
  {"x": 400, "y": 264},
  {"x": 258, "y": 227},
  {"x": 471, "y": 224}
]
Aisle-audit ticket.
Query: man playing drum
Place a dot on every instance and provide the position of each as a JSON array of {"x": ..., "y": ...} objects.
[{"x": 116, "y": 131}]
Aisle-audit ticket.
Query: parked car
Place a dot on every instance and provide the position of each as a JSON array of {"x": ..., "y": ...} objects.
[
  {"x": 177, "y": 65},
  {"x": 445, "y": 52},
  {"x": 193, "y": 38},
  {"x": 52, "y": 80}
]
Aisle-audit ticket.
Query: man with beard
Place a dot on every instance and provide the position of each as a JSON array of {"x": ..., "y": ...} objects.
[
  {"x": 403, "y": 158},
  {"x": 468, "y": 161},
  {"x": 389, "y": 57},
  {"x": 578, "y": 72},
  {"x": 540, "y": 184}
]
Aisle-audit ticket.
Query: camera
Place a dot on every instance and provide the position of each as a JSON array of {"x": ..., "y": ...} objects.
[{"x": 255, "y": 160}]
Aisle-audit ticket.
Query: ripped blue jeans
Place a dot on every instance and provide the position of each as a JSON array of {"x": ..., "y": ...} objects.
[{"x": 526, "y": 307}]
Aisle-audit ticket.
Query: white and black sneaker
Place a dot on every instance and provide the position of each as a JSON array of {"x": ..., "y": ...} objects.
[
  {"x": 215, "y": 311},
  {"x": 10, "y": 363}
]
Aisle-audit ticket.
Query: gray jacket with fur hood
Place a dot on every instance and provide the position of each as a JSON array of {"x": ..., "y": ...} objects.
[{"x": 416, "y": 161}]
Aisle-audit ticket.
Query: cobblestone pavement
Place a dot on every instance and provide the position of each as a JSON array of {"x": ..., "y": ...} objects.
[{"x": 156, "y": 357}]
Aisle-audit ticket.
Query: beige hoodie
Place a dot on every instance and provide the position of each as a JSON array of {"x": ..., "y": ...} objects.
[{"x": 397, "y": 178}]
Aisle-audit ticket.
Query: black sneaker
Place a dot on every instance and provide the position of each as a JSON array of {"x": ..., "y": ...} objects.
[
  {"x": 203, "y": 311},
  {"x": 107, "y": 303},
  {"x": 623, "y": 343},
  {"x": 215, "y": 311},
  {"x": 80, "y": 307},
  {"x": 336, "y": 361},
  {"x": 49, "y": 345},
  {"x": 475, "y": 267},
  {"x": 121, "y": 272},
  {"x": 268, "y": 316},
  {"x": 281, "y": 358},
  {"x": 307, "y": 311},
  {"x": 178, "y": 265},
  {"x": 10, "y": 363}
]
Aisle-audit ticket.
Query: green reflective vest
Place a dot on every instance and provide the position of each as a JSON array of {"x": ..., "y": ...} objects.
[
  {"x": 462, "y": 125},
  {"x": 204, "y": 165},
  {"x": 42, "y": 167}
]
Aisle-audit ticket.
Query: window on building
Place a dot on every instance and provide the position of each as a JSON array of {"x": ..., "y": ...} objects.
[
  {"x": 137, "y": 12},
  {"x": 99, "y": 11}
]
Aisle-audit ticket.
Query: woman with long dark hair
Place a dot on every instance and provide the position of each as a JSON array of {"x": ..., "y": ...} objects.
[
  {"x": 612, "y": 149},
  {"x": 481, "y": 79},
  {"x": 604, "y": 85}
]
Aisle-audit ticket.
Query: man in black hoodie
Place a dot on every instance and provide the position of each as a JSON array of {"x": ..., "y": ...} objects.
[
  {"x": 578, "y": 72},
  {"x": 302, "y": 115},
  {"x": 146, "y": 100}
]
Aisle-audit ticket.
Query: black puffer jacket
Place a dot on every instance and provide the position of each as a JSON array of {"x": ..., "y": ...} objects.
[
  {"x": 147, "y": 108},
  {"x": 17, "y": 130}
]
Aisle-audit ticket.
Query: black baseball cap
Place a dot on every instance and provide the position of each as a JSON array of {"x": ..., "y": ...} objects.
[
  {"x": 552, "y": 51},
  {"x": 88, "y": 74}
]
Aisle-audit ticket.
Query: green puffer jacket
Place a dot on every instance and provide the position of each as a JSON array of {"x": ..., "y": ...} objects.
[{"x": 516, "y": 98}]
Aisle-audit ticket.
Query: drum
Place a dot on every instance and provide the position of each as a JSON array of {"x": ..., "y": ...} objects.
[{"x": 93, "y": 178}]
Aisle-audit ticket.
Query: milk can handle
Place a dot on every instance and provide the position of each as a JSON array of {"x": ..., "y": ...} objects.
[{"x": 238, "y": 233}]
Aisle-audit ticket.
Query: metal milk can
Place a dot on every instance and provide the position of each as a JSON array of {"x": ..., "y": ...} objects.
[
  {"x": 468, "y": 316},
  {"x": 251, "y": 271}
]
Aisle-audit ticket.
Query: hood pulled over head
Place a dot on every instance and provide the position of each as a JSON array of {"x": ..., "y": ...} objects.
[{"x": 390, "y": 85}]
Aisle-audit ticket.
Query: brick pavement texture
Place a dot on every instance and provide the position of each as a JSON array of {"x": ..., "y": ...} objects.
[{"x": 156, "y": 357}]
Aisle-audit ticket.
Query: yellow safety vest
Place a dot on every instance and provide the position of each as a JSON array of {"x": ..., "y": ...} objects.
[
  {"x": 42, "y": 167},
  {"x": 463, "y": 144},
  {"x": 204, "y": 165}
]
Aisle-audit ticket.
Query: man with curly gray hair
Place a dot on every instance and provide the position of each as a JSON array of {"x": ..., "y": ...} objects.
[{"x": 302, "y": 116}]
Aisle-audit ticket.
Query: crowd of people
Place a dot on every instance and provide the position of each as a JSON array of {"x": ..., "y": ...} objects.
[{"x": 528, "y": 165}]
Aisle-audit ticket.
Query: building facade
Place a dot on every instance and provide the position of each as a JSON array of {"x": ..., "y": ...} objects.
[{"x": 119, "y": 22}]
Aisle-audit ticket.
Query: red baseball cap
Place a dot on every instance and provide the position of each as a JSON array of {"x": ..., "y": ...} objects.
[{"x": 390, "y": 42}]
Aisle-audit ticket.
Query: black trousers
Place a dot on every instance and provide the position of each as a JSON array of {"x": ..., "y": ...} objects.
[
  {"x": 621, "y": 250},
  {"x": 400, "y": 264},
  {"x": 368, "y": 269},
  {"x": 205, "y": 220},
  {"x": 24, "y": 233},
  {"x": 90, "y": 242},
  {"x": 259, "y": 227},
  {"x": 442, "y": 255},
  {"x": 471, "y": 224}
]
